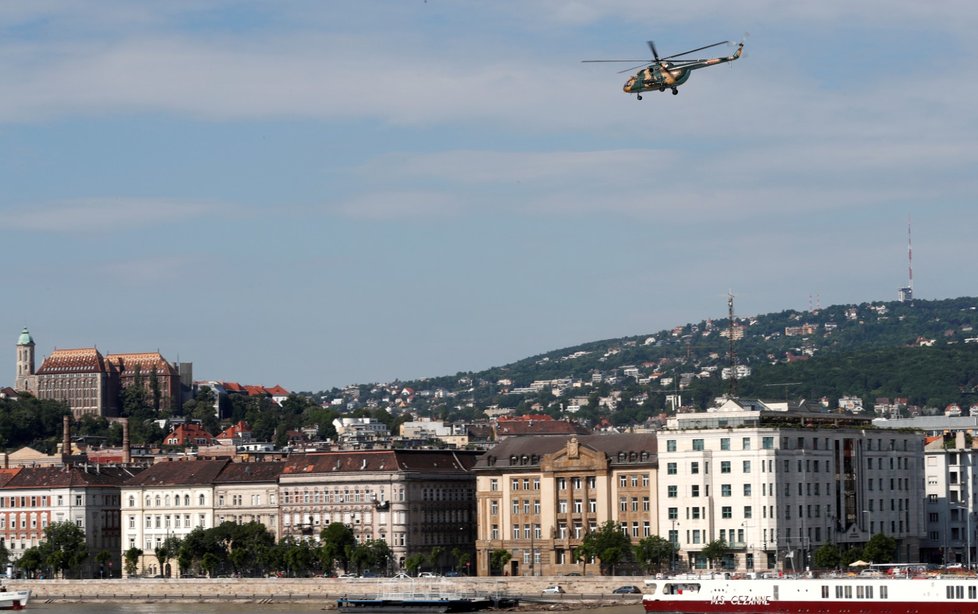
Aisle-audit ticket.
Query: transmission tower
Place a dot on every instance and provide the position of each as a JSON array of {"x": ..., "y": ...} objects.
[{"x": 732, "y": 354}]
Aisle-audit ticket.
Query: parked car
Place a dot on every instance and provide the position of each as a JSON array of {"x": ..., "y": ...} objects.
[
  {"x": 628, "y": 590},
  {"x": 555, "y": 589},
  {"x": 428, "y": 574}
]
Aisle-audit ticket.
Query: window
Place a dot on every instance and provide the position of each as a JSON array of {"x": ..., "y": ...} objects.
[
  {"x": 671, "y": 468},
  {"x": 747, "y": 490},
  {"x": 695, "y": 490},
  {"x": 745, "y": 443},
  {"x": 767, "y": 443},
  {"x": 672, "y": 491},
  {"x": 725, "y": 490},
  {"x": 726, "y": 512},
  {"x": 698, "y": 445},
  {"x": 724, "y": 443},
  {"x": 516, "y": 485},
  {"x": 748, "y": 512},
  {"x": 672, "y": 513},
  {"x": 670, "y": 445},
  {"x": 746, "y": 466},
  {"x": 493, "y": 484},
  {"x": 592, "y": 505},
  {"x": 694, "y": 467},
  {"x": 724, "y": 466}
]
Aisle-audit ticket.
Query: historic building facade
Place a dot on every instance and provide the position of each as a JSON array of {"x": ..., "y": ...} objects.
[
  {"x": 90, "y": 383},
  {"x": 168, "y": 499},
  {"x": 415, "y": 500},
  {"x": 32, "y": 498},
  {"x": 539, "y": 496}
]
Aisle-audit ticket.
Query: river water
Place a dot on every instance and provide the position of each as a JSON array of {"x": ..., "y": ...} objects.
[{"x": 244, "y": 608}]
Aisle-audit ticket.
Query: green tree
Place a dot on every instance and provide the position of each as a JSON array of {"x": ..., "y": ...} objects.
[
  {"x": 372, "y": 554},
  {"x": 209, "y": 563},
  {"x": 880, "y": 548},
  {"x": 103, "y": 558},
  {"x": 131, "y": 561},
  {"x": 497, "y": 561},
  {"x": 434, "y": 557},
  {"x": 715, "y": 551},
  {"x": 609, "y": 545},
  {"x": 166, "y": 550},
  {"x": 654, "y": 552},
  {"x": 65, "y": 547},
  {"x": 462, "y": 558},
  {"x": 4, "y": 555},
  {"x": 32, "y": 561},
  {"x": 826, "y": 556},
  {"x": 338, "y": 542},
  {"x": 413, "y": 563}
]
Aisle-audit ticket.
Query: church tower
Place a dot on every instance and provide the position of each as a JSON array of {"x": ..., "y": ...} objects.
[{"x": 26, "y": 380}]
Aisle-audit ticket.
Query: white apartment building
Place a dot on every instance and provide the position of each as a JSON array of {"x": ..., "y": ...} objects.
[
  {"x": 777, "y": 485},
  {"x": 167, "y": 499}
]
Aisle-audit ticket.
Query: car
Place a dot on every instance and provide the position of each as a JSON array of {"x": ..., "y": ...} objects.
[
  {"x": 628, "y": 590},
  {"x": 556, "y": 589},
  {"x": 428, "y": 574},
  {"x": 573, "y": 573},
  {"x": 347, "y": 575}
]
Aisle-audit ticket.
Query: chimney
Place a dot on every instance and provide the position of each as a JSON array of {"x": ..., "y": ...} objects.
[
  {"x": 66, "y": 441},
  {"x": 126, "y": 452}
]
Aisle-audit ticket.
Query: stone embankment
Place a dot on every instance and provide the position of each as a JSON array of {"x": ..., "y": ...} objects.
[{"x": 579, "y": 591}]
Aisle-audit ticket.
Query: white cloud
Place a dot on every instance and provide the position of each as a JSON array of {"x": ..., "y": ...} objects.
[{"x": 104, "y": 215}]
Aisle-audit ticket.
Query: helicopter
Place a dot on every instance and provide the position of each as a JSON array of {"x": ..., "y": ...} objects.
[{"x": 669, "y": 72}]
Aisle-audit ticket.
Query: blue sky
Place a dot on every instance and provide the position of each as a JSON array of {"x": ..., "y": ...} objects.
[{"x": 322, "y": 193}]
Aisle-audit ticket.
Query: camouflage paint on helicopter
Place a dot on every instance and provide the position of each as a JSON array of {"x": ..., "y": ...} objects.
[{"x": 661, "y": 74}]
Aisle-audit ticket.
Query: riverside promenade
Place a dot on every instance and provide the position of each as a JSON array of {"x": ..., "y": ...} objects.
[{"x": 594, "y": 591}]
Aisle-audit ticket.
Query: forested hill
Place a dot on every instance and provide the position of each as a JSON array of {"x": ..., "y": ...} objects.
[{"x": 925, "y": 351}]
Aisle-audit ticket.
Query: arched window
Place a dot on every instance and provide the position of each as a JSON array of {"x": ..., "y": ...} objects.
[
  {"x": 132, "y": 501},
  {"x": 167, "y": 500},
  {"x": 176, "y": 501},
  {"x": 201, "y": 499},
  {"x": 157, "y": 501},
  {"x": 186, "y": 500},
  {"x": 148, "y": 502}
]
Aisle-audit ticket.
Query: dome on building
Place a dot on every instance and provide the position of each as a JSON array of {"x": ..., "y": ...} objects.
[{"x": 25, "y": 338}]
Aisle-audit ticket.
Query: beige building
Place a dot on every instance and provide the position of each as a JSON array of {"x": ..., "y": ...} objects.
[
  {"x": 415, "y": 500},
  {"x": 538, "y": 497},
  {"x": 248, "y": 492}
]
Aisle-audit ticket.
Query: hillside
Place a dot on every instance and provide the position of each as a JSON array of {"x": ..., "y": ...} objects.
[{"x": 925, "y": 352}]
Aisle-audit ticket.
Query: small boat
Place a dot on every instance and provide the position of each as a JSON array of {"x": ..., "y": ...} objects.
[
  {"x": 427, "y": 604},
  {"x": 13, "y": 600},
  {"x": 857, "y": 594}
]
